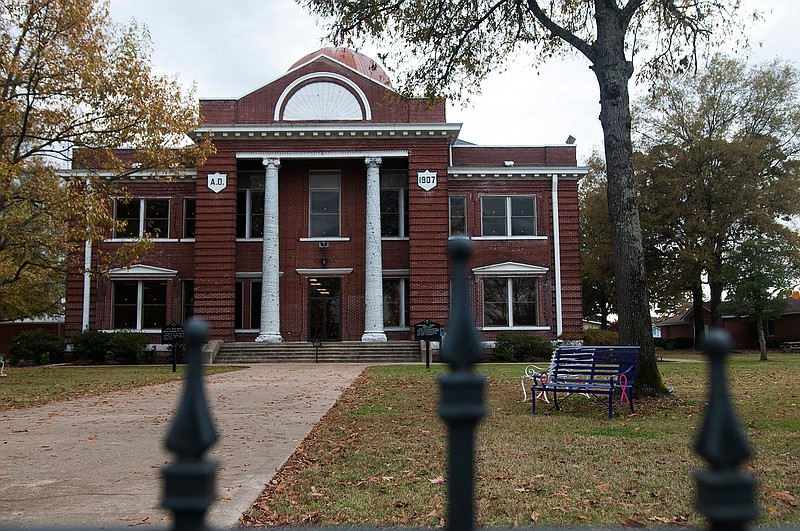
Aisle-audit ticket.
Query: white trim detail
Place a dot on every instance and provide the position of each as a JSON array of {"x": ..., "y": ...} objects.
[
  {"x": 322, "y": 101},
  {"x": 356, "y": 89},
  {"x": 338, "y": 239},
  {"x": 141, "y": 270},
  {"x": 508, "y": 269},
  {"x": 505, "y": 237},
  {"x": 327, "y": 272},
  {"x": 331, "y": 131},
  {"x": 515, "y": 172},
  {"x": 322, "y": 154},
  {"x": 557, "y": 256},
  {"x": 396, "y": 273}
]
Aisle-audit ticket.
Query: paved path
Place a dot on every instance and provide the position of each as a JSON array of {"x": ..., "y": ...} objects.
[{"x": 96, "y": 461}]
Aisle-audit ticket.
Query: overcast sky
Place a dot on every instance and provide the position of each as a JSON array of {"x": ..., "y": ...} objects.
[{"x": 228, "y": 49}]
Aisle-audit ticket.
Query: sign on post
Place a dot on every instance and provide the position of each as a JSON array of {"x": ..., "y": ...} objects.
[
  {"x": 173, "y": 334},
  {"x": 427, "y": 331}
]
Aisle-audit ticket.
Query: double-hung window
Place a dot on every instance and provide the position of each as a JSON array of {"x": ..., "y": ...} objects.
[
  {"x": 396, "y": 310},
  {"x": 508, "y": 216},
  {"x": 510, "y": 302},
  {"x": 189, "y": 217},
  {"x": 324, "y": 204},
  {"x": 250, "y": 206},
  {"x": 394, "y": 204},
  {"x": 139, "y": 304},
  {"x": 458, "y": 216},
  {"x": 141, "y": 217}
]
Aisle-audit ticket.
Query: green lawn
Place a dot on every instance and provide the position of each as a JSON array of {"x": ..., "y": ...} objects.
[
  {"x": 34, "y": 386},
  {"x": 377, "y": 457}
]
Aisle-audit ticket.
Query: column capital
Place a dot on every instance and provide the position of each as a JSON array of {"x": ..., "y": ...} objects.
[
  {"x": 372, "y": 162},
  {"x": 274, "y": 162}
]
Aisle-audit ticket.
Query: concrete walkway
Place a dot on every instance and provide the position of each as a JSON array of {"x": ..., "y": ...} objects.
[{"x": 96, "y": 461}]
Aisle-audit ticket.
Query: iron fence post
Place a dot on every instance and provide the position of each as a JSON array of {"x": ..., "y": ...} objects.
[
  {"x": 189, "y": 481},
  {"x": 462, "y": 403},
  {"x": 725, "y": 495}
]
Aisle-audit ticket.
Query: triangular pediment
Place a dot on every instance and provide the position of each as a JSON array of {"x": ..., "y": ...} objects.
[
  {"x": 510, "y": 269},
  {"x": 141, "y": 270}
]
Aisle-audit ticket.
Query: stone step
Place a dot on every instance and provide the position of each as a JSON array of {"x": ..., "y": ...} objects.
[{"x": 329, "y": 352}]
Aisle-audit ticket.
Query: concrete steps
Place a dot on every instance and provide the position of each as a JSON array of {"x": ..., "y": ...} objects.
[{"x": 329, "y": 352}]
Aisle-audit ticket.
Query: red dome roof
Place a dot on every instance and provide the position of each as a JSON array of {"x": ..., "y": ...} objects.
[{"x": 354, "y": 60}]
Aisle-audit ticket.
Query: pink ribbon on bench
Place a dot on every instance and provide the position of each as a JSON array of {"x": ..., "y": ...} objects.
[
  {"x": 545, "y": 377},
  {"x": 623, "y": 382}
]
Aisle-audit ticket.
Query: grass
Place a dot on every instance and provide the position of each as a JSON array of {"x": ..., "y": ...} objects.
[
  {"x": 377, "y": 457},
  {"x": 34, "y": 386}
]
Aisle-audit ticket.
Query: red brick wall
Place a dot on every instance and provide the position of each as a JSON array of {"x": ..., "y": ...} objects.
[{"x": 559, "y": 156}]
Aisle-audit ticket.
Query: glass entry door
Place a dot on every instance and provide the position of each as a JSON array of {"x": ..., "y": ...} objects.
[{"x": 325, "y": 309}]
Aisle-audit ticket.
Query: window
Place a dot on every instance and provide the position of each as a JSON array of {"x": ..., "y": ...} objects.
[
  {"x": 250, "y": 206},
  {"x": 142, "y": 217},
  {"x": 189, "y": 216},
  {"x": 458, "y": 216},
  {"x": 510, "y": 302},
  {"x": 508, "y": 216},
  {"x": 770, "y": 331},
  {"x": 396, "y": 310},
  {"x": 324, "y": 192},
  {"x": 394, "y": 205},
  {"x": 250, "y": 319},
  {"x": 188, "y": 299},
  {"x": 138, "y": 305}
]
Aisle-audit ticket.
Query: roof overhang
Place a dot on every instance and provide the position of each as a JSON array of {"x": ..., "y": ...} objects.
[
  {"x": 482, "y": 173},
  {"x": 330, "y": 131}
]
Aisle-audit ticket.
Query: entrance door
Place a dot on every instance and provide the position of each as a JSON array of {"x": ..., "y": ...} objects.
[{"x": 325, "y": 309}]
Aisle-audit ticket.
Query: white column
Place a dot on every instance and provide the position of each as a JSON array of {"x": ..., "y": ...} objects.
[
  {"x": 87, "y": 284},
  {"x": 270, "y": 269},
  {"x": 557, "y": 256},
  {"x": 373, "y": 292}
]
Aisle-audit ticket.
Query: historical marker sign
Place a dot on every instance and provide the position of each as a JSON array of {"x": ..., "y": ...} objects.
[
  {"x": 172, "y": 333},
  {"x": 427, "y": 330},
  {"x": 427, "y": 180},
  {"x": 217, "y": 182}
]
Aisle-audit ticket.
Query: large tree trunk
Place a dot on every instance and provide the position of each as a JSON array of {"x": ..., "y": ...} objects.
[
  {"x": 762, "y": 341},
  {"x": 613, "y": 72},
  {"x": 699, "y": 317}
]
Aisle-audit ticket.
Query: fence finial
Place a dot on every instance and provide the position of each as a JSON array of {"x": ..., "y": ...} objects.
[
  {"x": 189, "y": 481},
  {"x": 725, "y": 495},
  {"x": 462, "y": 404}
]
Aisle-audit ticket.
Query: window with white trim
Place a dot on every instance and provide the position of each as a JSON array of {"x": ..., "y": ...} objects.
[
  {"x": 396, "y": 309},
  {"x": 394, "y": 204},
  {"x": 324, "y": 194},
  {"x": 247, "y": 312},
  {"x": 250, "y": 206},
  {"x": 510, "y": 302},
  {"x": 508, "y": 215},
  {"x": 138, "y": 304},
  {"x": 188, "y": 299},
  {"x": 458, "y": 215},
  {"x": 189, "y": 217},
  {"x": 141, "y": 217}
]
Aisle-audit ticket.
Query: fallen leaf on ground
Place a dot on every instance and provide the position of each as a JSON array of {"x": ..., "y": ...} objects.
[{"x": 437, "y": 480}]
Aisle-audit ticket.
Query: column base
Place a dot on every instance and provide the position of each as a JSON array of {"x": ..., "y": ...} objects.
[
  {"x": 373, "y": 337},
  {"x": 269, "y": 338}
]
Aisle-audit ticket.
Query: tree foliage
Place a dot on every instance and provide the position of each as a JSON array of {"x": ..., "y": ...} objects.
[
  {"x": 597, "y": 267},
  {"x": 448, "y": 47},
  {"x": 73, "y": 82},
  {"x": 719, "y": 167},
  {"x": 758, "y": 276}
]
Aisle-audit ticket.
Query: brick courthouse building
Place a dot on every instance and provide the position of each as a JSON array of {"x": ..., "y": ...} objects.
[{"x": 325, "y": 213}]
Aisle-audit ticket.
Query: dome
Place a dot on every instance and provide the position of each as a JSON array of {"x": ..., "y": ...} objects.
[{"x": 354, "y": 60}]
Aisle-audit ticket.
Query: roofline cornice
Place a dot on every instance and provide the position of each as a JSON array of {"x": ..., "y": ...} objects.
[
  {"x": 515, "y": 172},
  {"x": 306, "y": 130}
]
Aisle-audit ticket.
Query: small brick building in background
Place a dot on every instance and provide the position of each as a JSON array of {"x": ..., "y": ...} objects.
[{"x": 325, "y": 213}]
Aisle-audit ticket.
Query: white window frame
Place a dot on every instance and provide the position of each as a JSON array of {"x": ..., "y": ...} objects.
[
  {"x": 330, "y": 173},
  {"x": 508, "y": 235},
  {"x": 509, "y": 304},
  {"x": 405, "y": 288},
  {"x": 450, "y": 216},
  {"x": 396, "y": 181},
  {"x": 139, "y": 303},
  {"x": 143, "y": 218},
  {"x": 248, "y": 223},
  {"x": 183, "y": 228}
]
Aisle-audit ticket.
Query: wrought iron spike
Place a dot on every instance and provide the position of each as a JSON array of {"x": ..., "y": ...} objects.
[
  {"x": 725, "y": 495},
  {"x": 461, "y": 347},
  {"x": 189, "y": 482},
  {"x": 462, "y": 403},
  {"x": 721, "y": 441}
]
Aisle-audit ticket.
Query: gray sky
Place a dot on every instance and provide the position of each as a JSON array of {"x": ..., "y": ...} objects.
[{"x": 231, "y": 48}]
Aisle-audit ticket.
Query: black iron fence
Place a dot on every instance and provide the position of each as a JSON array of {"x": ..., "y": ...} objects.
[{"x": 725, "y": 494}]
